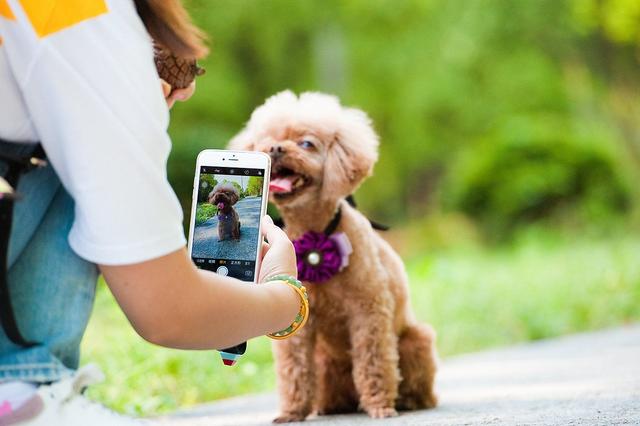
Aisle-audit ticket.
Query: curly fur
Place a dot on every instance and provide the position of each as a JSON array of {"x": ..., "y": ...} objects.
[
  {"x": 228, "y": 219},
  {"x": 362, "y": 347},
  {"x": 225, "y": 186}
]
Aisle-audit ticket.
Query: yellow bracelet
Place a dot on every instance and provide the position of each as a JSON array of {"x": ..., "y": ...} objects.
[{"x": 303, "y": 314}]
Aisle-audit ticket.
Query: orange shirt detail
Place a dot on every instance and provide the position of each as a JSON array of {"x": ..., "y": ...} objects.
[
  {"x": 5, "y": 10},
  {"x": 50, "y": 16}
]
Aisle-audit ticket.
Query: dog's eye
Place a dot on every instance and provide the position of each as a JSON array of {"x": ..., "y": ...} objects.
[{"x": 306, "y": 144}]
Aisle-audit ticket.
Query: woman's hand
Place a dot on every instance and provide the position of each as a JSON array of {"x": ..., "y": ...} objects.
[
  {"x": 278, "y": 255},
  {"x": 178, "y": 94}
]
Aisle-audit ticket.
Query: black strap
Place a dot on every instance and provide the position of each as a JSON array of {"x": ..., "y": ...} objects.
[
  {"x": 16, "y": 165},
  {"x": 278, "y": 222},
  {"x": 331, "y": 227},
  {"x": 374, "y": 225}
]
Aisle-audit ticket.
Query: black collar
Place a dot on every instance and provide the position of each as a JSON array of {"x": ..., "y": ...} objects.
[{"x": 331, "y": 227}]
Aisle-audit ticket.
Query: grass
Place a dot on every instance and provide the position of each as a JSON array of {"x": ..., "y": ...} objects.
[
  {"x": 537, "y": 290},
  {"x": 204, "y": 212},
  {"x": 146, "y": 379},
  {"x": 475, "y": 297}
]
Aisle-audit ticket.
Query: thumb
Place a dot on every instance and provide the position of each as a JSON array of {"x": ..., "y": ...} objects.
[
  {"x": 273, "y": 234},
  {"x": 266, "y": 222}
]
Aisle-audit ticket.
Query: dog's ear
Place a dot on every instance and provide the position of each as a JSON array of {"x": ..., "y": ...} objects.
[
  {"x": 243, "y": 141},
  {"x": 210, "y": 196},
  {"x": 272, "y": 112},
  {"x": 351, "y": 155},
  {"x": 234, "y": 197}
]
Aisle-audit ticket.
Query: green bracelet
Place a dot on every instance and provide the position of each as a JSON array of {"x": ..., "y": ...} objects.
[{"x": 303, "y": 314}]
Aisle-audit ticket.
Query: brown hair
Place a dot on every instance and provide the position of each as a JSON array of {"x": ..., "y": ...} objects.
[{"x": 169, "y": 24}]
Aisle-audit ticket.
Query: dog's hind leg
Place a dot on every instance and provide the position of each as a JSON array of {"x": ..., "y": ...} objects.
[
  {"x": 416, "y": 348},
  {"x": 336, "y": 391}
]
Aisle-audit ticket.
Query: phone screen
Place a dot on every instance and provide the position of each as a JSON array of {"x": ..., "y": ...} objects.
[{"x": 227, "y": 219}]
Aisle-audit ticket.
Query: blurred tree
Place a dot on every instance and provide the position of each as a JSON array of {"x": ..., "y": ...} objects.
[
  {"x": 442, "y": 80},
  {"x": 529, "y": 172},
  {"x": 254, "y": 187},
  {"x": 610, "y": 48},
  {"x": 206, "y": 185}
]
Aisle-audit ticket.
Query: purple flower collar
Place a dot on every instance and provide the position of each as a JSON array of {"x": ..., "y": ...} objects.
[
  {"x": 321, "y": 255},
  {"x": 222, "y": 216}
]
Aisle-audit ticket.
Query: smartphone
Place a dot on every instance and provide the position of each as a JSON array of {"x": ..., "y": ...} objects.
[{"x": 230, "y": 195}]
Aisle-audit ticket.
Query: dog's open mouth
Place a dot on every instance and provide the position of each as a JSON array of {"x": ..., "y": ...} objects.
[{"x": 285, "y": 181}]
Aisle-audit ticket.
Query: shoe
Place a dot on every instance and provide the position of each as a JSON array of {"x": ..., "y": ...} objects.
[{"x": 63, "y": 404}]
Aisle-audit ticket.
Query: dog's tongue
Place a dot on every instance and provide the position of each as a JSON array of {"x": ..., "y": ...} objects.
[
  {"x": 280, "y": 185},
  {"x": 220, "y": 206}
]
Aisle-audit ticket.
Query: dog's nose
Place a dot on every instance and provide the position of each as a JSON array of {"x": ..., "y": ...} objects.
[{"x": 277, "y": 151}]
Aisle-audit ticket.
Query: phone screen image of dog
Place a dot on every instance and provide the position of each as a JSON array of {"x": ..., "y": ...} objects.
[{"x": 225, "y": 235}]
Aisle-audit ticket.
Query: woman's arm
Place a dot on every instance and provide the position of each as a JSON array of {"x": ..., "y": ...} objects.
[
  {"x": 93, "y": 98},
  {"x": 171, "y": 303}
]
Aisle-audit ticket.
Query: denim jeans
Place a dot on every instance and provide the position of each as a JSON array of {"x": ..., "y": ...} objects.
[{"x": 52, "y": 289}]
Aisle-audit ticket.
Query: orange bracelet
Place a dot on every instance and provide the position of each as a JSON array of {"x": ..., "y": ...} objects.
[{"x": 303, "y": 314}]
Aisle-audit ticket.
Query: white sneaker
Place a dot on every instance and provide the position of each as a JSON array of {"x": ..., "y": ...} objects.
[{"x": 62, "y": 404}]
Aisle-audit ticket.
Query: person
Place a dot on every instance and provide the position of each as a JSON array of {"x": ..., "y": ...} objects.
[{"x": 80, "y": 80}]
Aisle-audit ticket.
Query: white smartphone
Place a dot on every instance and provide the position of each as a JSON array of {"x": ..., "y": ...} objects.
[{"x": 230, "y": 194}]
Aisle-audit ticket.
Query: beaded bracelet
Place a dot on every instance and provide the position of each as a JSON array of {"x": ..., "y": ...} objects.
[{"x": 303, "y": 314}]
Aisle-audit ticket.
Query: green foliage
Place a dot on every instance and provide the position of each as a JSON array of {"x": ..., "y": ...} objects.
[
  {"x": 531, "y": 169},
  {"x": 254, "y": 187},
  {"x": 476, "y": 298},
  {"x": 619, "y": 20},
  {"x": 440, "y": 79},
  {"x": 204, "y": 212},
  {"x": 206, "y": 185}
]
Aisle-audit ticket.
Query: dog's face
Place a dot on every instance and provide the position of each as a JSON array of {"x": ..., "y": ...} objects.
[
  {"x": 223, "y": 197},
  {"x": 298, "y": 160},
  {"x": 318, "y": 149}
]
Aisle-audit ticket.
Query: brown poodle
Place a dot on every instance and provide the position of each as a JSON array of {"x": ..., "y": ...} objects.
[
  {"x": 362, "y": 347},
  {"x": 224, "y": 196}
]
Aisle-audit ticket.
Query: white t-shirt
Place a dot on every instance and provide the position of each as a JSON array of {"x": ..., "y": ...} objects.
[{"x": 79, "y": 77}]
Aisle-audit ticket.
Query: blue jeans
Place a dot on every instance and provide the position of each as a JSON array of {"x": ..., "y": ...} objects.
[{"x": 52, "y": 289}]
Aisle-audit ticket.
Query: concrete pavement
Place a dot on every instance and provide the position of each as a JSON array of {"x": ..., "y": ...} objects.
[{"x": 590, "y": 378}]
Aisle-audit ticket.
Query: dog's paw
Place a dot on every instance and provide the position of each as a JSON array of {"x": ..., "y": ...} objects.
[
  {"x": 289, "y": 417},
  {"x": 381, "y": 412}
]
